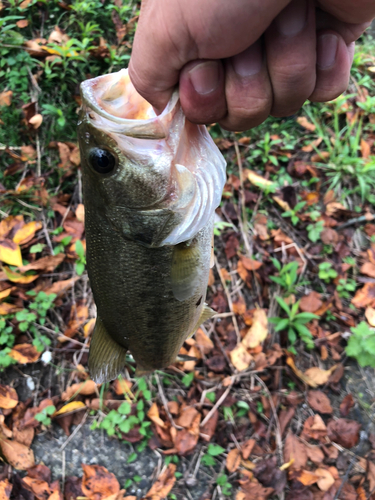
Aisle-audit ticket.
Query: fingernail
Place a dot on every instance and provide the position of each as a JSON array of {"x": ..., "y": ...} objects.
[
  {"x": 293, "y": 18},
  {"x": 326, "y": 50},
  {"x": 205, "y": 77},
  {"x": 250, "y": 61}
]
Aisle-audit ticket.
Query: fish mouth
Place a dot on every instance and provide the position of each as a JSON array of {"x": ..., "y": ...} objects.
[{"x": 112, "y": 100}]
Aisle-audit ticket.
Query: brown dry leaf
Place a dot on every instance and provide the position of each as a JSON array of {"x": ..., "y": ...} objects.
[
  {"x": 316, "y": 376},
  {"x": 314, "y": 427},
  {"x": 239, "y": 306},
  {"x": 153, "y": 415},
  {"x": 4, "y": 429},
  {"x": 187, "y": 416},
  {"x": 122, "y": 386},
  {"x": 306, "y": 477},
  {"x": 283, "y": 204},
  {"x": 29, "y": 153},
  {"x": 10, "y": 253},
  {"x": 8, "y": 397},
  {"x": 247, "y": 448},
  {"x": 365, "y": 149},
  {"x": 78, "y": 316},
  {"x": 80, "y": 212},
  {"x": 304, "y": 122},
  {"x": 83, "y": 388},
  {"x": 38, "y": 487},
  {"x": 27, "y": 232},
  {"x": 6, "y": 98},
  {"x": 16, "y": 454},
  {"x": 98, "y": 483},
  {"x": 346, "y": 405},
  {"x": 60, "y": 287},
  {"x": 89, "y": 327},
  {"x": 36, "y": 121},
  {"x": 315, "y": 454},
  {"x": 69, "y": 408},
  {"x": 46, "y": 264},
  {"x": 344, "y": 432},
  {"x": 371, "y": 475},
  {"x": 5, "y": 293},
  {"x": 163, "y": 485},
  {"x": 311, "y": 302},
  {"x": 58, "y": 36},
  {"x": 258, "y": 330},
  {"x": 240, "y": 358},
  {"x": 6, "y": 308},
  {"x": 208, "y": 429},
  {"x": 365, "y": 296},
  {"x": 5, "y": 489},
  {"x": 233, "y": 460},
  {"x": 368, "y": 268},
  {"x": 326, "y": 479},
  {"x": 319, "y": 402},
  {"x": 296, "y": 451},
  {"x": 250, "y": 264},
  {"x": 203, "y": 341},
  {"x": 22, "y": 23},
  {"x": 329, "y": 236},
  {"x": 370, "y": 315},
  {"x": 24, "y": 353}
]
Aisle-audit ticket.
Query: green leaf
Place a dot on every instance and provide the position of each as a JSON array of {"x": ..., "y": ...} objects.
[
  {"x": 215, "y": 450},
  {"x": 354, "y": 347},
  {"x": 132, "y": 458},
  {"x": 188, "y": 379},
  {"x": 283, "y": 305},
  {"x": 125, "y": 408},
  {"x": 282, "y": 324},
  {"x": 305, "y": 316}
]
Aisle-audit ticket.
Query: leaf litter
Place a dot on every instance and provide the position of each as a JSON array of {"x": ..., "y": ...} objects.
[{"x": 261, "y": 405}]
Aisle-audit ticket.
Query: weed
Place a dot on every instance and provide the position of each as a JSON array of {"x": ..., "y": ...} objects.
[
  {"x": 264, "y": 151},
  {"x": 326, "y": 272},
  {"x": 361, "y": 345},
  {"x": 188, "y": 379},
  {"x": 44, "y": 416},
  {"x": 288, "y": 277},
  {"x": 81, "y": 261},
  {"x": 294, "y": 324},
  {"x": 213, "y": 450},
  {"x": 226, "y": 487},
  {"x": 292, "y": 213},
  {"x": 314, "y": 230},
  {"x": 219, "y": 227},
  {"x": 346, "y": 287}
]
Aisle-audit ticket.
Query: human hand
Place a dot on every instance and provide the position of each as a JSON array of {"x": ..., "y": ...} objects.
[{"x": 238, "y": 62}]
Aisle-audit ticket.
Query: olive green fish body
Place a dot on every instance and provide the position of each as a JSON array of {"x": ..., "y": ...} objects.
[{"x": 149, "y": 228}]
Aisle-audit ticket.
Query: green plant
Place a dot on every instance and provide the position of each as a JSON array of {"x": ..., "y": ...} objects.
[
  {"x": 213, "y": 450},
  {"x": 288, "y": 277},
  {"x": 345, "y": 287},
  {"x": 219, "y": 227},
  {"x": 226, "y": 487},
  {"x": 6, "y": 342},
  {"x": 326, "y": 272},
  {"x": 294, "y": 324},
  {"x": 188, "y": 379},
  {"x": 314, "y": 230},
  {"x": 292, "y": 213},
  {"x": 361, "y": 345},
  {"x": 60, "y": 248},
  {"x": 264, "y": 150},
  {"x": 81, "y": 261},
  {"x": 44, "y": 416}
]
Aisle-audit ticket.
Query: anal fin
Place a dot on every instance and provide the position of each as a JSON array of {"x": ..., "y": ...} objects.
[
  {"x": 107, "y": 357},
  {"x": 206, "y": 314}
]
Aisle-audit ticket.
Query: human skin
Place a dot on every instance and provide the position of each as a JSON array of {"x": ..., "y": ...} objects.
[{"x": 238, "y": 62}]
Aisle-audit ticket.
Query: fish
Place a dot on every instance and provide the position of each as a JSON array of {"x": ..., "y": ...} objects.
[{"x": 151, "y": 184}]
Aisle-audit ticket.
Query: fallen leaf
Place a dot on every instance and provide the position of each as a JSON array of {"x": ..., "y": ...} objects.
[
  {"x": 315, "y": 454},
  {"x": 10, "y": 253},
  {"x": 240, "y": 358},
  {"x": 6, "y": 308},
  {"x": 208, "y": 429},
  {"x": 24, "y": 353},
  {"x": 16, "y": 454},
  {"x": 27, "y": 232},
  {"x": 239, "y": 306},
  {"x": 36, "y": 120},
  {"x": 311, "y": 302},
  {"x": 314, "y": 428},
  {"x": 319, "y": 402},
  {"x": 122, "y": 386},
  {"x": 346, "y": 405},
  {"x": 368, "y": 268},
  {"x": 38, "y": 487},
  {"x": 233, "y": 460},
  {"x": 318, "y": 376},
  {"x": 187, "y": 416},
  {"x": 268, "y": 474},
  {"x": 5, "y": 489},
  {"x": 329, "y": 236},
  {"x": 296, "y": 451},
  {"x": 365, "y": 296},
  {"x": 203, "y": 341},
  {"x": 70, "y": 407},
  {"x": 163, "y": 485},
  {"x": 326, "y": 479},
  {"x": 306, "y": 477},
  {"x": 304, "y": 122},
  {"x": 89, "y": 327},
  {"x": 153, "y": 415},
  {"x": 8, "y": 397},
  {"x": 17, "y": 277},
  {"x": 259, "y": 181},
  {"x": 247, "y": 448},
  {"x": 60, "y": 287},
  {"x": 6, "y": 98},
  {"x": 250, "y": 264},
  {"x": 370, "y": 476},
  {"x": 258, "y": 330},
  {"x": 83, "y": 388},
  {"x": 98, "y": 483},
  {"x": 344, "y": 432},
  {"x": 46, "y": 264},
  {"x": 370, "y": 315}
]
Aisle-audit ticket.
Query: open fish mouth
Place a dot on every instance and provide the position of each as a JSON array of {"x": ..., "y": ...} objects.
[{"x": 168, "y": 141}]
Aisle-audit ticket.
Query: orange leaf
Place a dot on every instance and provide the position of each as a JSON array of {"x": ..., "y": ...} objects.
[
  {"x": 326, "y": 479},
  {"x": 46, "y": 264},
  {"x": 84, "y": 389},
  {"x": 233, "y": 460},
  {"x": 38, "y": 487},
  {"x": 258, "y": 330},
  {"x": 153, "y": 415},
  {"x": 240, "y": 358},
  {"x": 22, "y": 23},
  {"x": 70, "y": 407},
  {"x": 5, "y": 489},
  {"x": 36, "y": 120},
  {"x": 17, "y": 277},
  {"x": 6, "y": 308},
  {"x": 98, "y": 483},
  {"x": 8, "y": 397},
  {"x": 306, "y": 477},
  {"x": 304, "y": 122},
  {"x": 163, "y": 485},
  {"x": 295, "y": 450},
  {"x": 6, "y": 98},
  {"x": 10, "y": 253},
  {"x": 203, "y": 341},
  {"x": 24, "y": 353},
  {"x": 16, "y": 454}
]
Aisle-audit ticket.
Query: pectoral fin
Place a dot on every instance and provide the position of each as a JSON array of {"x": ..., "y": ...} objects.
[
  {"x": 185, "y": 272},
  {"x": 107, "y": 357}
]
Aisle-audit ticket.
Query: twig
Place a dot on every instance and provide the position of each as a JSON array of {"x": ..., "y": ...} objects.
[
  {"x": 216, "y": 405},
  {"x": 356, "y": 220},
  {"x": 75, "y": 431},
  {"x": 39, "y": 162},
  {"x": 28, "y": 206},
  {"x": 165, "y": 403},
  {"x": 46, "y": 234},
  {"x": 230, "y": 303},
  {"x": 345, "y": 478}
]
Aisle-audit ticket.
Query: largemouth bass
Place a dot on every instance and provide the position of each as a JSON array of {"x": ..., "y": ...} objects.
[{"x": 151, "y": 185}]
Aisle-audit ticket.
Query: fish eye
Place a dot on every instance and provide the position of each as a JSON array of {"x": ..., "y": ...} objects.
[{"x": 102, "y": 160}]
